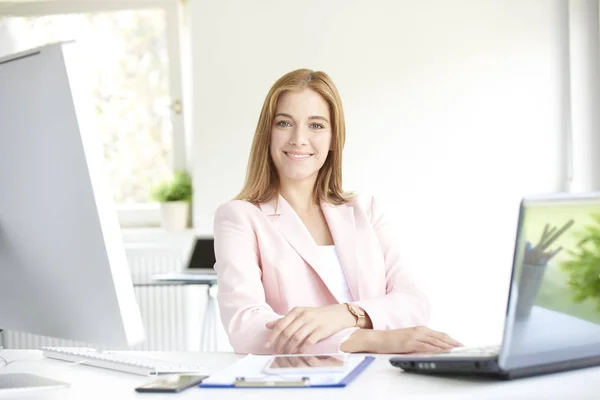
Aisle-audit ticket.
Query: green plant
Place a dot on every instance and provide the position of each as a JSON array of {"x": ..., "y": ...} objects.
[
  {"x": 584, "y": 266},
  {"x": 179, "y": 188}
]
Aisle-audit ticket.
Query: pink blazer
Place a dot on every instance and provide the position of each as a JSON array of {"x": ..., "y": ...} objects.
[{"x": 268, "y": 263}]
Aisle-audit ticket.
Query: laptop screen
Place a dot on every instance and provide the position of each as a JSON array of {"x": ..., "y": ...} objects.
[
  {"x": 203, "y": 254},
  {"x": 555, "y": 295}
]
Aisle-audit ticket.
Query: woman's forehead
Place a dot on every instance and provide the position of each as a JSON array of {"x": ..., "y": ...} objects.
[{"x": 302, "y": 103}]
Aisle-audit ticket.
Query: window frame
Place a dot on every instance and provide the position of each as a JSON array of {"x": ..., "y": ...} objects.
[{"x": 137, "y": 215}]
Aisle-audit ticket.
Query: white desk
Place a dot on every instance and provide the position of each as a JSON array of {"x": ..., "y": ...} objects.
[{"x": 379, "y": 381}]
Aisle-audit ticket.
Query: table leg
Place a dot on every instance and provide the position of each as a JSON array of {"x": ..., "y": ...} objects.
[{"x": 209, "y": 328}]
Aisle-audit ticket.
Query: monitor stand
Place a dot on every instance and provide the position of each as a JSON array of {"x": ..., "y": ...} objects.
[{"x": 17, "y": 382}]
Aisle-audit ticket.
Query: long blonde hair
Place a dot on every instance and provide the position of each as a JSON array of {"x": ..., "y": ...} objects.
[{"x": 262, "y": 180}]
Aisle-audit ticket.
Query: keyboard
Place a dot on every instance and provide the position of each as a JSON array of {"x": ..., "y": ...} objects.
[{"x": 120, "y": 362}]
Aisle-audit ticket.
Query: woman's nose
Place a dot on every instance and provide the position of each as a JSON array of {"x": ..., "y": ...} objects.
[{"x": 299, "y": 136}]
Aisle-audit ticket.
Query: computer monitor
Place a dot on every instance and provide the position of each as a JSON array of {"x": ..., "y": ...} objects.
[
  {"x": 203, "y": 254},
  {"x": 63, "y": 267}
]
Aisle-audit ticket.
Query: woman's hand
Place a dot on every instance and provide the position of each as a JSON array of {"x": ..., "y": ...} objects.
[
  {"x": 418, "y": 339},
  {"x": 303, "y": 327}
]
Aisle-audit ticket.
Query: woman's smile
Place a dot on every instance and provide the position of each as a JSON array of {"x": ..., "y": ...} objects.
[{"x": 297, "y": 155}]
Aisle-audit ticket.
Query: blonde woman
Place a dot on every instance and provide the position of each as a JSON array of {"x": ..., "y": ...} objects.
[{"x": 304, "y": 267}]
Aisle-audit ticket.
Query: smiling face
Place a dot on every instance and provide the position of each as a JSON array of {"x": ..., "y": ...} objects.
[{"x": 300, "y": 136}]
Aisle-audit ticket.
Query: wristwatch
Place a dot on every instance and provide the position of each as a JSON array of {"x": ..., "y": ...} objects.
[{"x": 358, "y": 312}]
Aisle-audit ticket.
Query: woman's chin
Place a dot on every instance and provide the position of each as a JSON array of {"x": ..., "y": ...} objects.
[{"x": 299, "y": 177}]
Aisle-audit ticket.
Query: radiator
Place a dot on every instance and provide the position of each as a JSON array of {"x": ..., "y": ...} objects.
[{"x": 170, "y": 313}]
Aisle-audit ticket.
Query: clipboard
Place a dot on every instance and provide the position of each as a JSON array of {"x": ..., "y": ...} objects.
[{"x": 247, "y": 373}]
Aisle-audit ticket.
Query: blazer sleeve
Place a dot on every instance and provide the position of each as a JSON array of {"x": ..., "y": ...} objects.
[
  {"x": 403, "y": 305},
  {"x": 241, "y": 295}
]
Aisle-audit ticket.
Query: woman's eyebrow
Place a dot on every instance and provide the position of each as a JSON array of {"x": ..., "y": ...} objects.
[
  {"x": 284, "y": 115},
  {"x": 319, "y": 117},
  {"x": 313, "y": 117}
]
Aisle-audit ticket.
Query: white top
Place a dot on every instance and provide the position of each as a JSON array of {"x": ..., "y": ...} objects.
[{"x": 334, "y": 275}]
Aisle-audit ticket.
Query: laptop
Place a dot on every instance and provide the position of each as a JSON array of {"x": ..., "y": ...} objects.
[
  {"x": 199, "y": 266},
  {"x": 552, "y": 320}
]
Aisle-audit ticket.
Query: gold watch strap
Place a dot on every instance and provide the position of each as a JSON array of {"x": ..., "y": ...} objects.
[{"x": 359, "y": 316}]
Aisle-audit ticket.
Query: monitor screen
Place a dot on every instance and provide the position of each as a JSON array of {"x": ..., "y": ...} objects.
[
  {"x": 556, "y": 285},
  {"x": 203, "y": 254},
  {"x": 63, "y": 267}
]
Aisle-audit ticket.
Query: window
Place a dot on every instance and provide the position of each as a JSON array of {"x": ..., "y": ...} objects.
[{"x": 132, "y": 53}]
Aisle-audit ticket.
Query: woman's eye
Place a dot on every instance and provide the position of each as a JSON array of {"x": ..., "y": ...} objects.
[
  {"x": 316, "y": 126},
  {"x": 284, "y": 123}
]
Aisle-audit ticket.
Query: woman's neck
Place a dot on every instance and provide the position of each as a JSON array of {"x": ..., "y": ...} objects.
[{"x": 299, "y": 195}]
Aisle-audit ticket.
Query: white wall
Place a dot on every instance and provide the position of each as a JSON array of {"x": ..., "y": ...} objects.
[
  {"x": 454, "y": 110},
  {"x": 584, "y": 68},
  {"x": 6, "y": 40}
]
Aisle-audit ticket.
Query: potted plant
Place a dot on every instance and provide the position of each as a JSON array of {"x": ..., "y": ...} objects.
[
  {"x": 535, "y": 264},
  {"x": 174, "y": 196}
]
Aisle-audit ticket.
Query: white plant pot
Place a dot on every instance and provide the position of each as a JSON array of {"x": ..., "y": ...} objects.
[
  {"x": 529, "y": 287},
  {"x": 174, "y": 215}
]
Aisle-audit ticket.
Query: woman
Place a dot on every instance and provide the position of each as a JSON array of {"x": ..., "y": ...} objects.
[{"x": 304, "y": 267}]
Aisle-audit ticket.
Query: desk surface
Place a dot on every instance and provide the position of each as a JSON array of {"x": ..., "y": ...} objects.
[
  {"x": 199, "y": 277},
  {"x": 379, "y": 381}
]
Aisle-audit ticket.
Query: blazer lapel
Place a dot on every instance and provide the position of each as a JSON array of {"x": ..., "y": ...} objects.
[
  {"x": 289, "y": 224},
  {"x": 340, "y": 220}
]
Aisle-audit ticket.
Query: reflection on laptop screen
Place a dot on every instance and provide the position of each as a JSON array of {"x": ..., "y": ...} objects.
[
  {"x": 557, "y": 282},
  {"x": 203, "y": 254}
]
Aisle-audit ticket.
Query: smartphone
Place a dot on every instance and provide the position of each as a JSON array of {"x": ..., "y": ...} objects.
[
  {"x": 171, "y": 384},
  {"x": 306, "y": 363}
]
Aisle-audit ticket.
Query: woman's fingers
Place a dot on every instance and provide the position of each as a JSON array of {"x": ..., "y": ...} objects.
[
  {"x": 444, "y": 338},
  {"x": 280, "y": 326},
  {"x": 422, "y": 347},
  {"x": 316, "y": 336},
  {"x": 276, "y": 328},
  {"x": 443, "y": 346},
  {"x": 415, "y": 339},
  {"x": 271, "y": 324},
  {"x": 294, "y": 342},
  {"x": 279, "y": 345}
]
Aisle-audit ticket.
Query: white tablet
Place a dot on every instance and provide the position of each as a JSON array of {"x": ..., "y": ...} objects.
[{"x": 306, "y": 363}]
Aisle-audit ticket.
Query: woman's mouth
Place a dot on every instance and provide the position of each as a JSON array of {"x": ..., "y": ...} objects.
[{"x": 297, "y": 156}]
